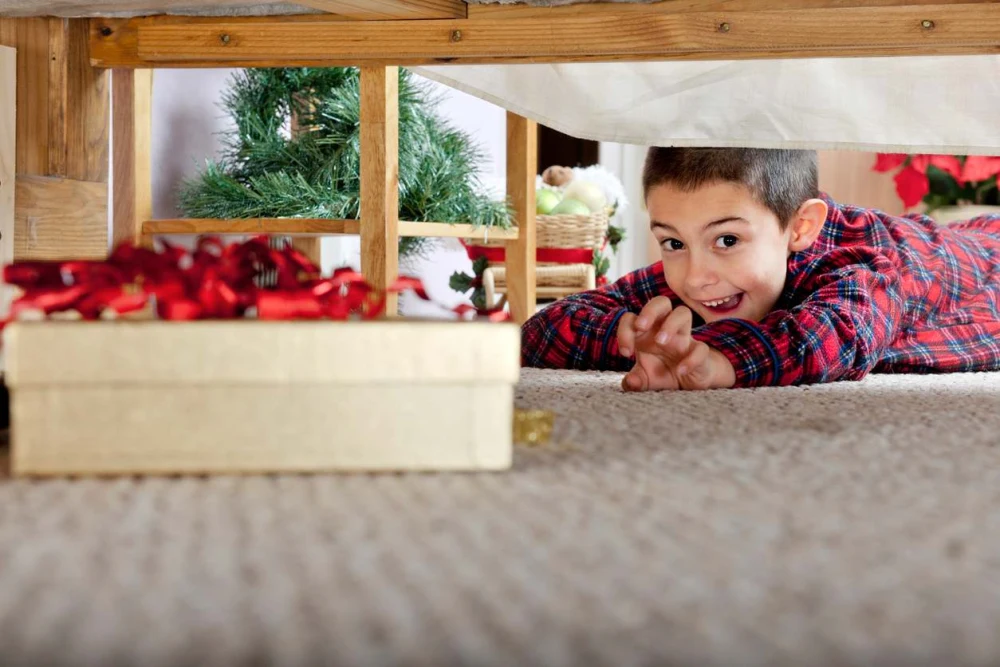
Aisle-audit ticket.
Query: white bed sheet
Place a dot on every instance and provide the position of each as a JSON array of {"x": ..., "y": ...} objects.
[{"x": 933, "y": 104}]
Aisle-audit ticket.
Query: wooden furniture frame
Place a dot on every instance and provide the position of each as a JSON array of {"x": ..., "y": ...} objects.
[{"x": 380, "y": 35}]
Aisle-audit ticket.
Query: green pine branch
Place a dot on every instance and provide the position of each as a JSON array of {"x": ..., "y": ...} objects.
[{"x": 264, "y": 172}]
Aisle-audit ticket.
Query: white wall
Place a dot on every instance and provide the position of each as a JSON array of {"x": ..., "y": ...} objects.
[{"x": 187, "y": 120}]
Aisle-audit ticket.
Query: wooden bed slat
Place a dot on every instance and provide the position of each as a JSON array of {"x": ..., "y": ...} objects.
[
  {"x": 382, "y": 10},
  {"x": 605, "y": 33},
  {"x": 508, "y": 11}
]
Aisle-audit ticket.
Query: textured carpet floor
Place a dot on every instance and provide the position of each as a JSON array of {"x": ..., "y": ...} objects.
[{"x": 846, "y": 524}]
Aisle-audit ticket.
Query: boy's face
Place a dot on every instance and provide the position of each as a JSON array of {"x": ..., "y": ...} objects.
[{"x": 724, "y": 254}]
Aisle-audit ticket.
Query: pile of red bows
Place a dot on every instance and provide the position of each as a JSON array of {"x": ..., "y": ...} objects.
[{"x": 215, "y": 281}]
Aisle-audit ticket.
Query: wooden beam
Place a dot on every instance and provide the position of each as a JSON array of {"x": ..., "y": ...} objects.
[
  {"x": 63, "y": 109},
  {"x": 522, "y": 166},
  {"x": 251, "y": 226},
  {"x": 310, "y": 246},
  {"x": 380, "y": 179},
  {"x": 88, "y": 109},
  {"x": 508, "y": 11},
  {"x": 58, "y": 95},
  {"x": 132, "y": 95},
  {"x": 316, "y": 227},
  {"x": 30, "y": 37},
  {"x": 381, "y": 10},
  {"x": 59, "y": 218},
  {"x": 455, "y": 231},
  {"x": 606, "y": 32},
  {"x": 8, "y": 128},
  {"x": 63, "y": 115}
]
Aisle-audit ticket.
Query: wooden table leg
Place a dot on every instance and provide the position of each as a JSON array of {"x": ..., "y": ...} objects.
[
  {"x": 522, "y": 167},
  {"x": 380, "y": 178},
  {"x": 131, "y": 125}
]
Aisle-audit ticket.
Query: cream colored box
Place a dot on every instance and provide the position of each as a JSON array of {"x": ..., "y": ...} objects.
[{"x": 250, "y": 396}]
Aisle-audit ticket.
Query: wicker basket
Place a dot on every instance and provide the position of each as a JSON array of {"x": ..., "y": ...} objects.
[
  {"x": 565, "y": 231},
  {"x": 553, "y": 279}
]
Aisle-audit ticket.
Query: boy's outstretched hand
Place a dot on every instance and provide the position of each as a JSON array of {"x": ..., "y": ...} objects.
[{"x": 666, "y": 356}]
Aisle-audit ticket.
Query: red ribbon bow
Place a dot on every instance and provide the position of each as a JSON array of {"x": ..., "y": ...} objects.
[{"x": 213, "y": 282}]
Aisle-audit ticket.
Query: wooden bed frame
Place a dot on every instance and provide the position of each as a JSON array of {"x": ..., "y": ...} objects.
[{"x": 65, "y": 66}]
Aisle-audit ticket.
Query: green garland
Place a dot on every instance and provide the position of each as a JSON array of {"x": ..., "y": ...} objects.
[{"x": 263, "y": 172}]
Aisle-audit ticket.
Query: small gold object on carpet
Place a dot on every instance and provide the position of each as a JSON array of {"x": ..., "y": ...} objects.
[{"x": 533, "y": 427}]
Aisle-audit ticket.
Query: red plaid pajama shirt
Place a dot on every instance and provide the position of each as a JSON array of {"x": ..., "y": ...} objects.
[{"x": 875, "y": 293}]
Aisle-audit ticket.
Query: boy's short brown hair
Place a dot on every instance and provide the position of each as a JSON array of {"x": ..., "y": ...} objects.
[{"x": 779, "y": 179}]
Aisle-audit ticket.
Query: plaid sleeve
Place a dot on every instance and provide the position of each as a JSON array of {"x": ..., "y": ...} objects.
[
  {"x": 839, "y": 331},
  {"x": 580, "y": 331}
]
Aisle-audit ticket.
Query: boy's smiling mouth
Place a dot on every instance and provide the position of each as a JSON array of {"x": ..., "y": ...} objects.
[{"x": 724, "y": 305}]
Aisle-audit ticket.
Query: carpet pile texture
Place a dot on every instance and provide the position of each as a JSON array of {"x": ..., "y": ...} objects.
[{"x": 845, "y": 524}]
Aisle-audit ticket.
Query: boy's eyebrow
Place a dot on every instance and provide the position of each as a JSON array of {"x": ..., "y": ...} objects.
[{"x": 653, "y": 224}]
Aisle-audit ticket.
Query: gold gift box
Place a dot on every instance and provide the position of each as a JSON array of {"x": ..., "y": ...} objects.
[{"x": 251, "y": 396}]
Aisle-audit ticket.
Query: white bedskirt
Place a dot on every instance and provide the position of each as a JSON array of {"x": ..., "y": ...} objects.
[{"x": 934, "y": 104}]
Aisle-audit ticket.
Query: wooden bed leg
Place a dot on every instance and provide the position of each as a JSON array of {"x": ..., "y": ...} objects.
[
  {"x": 8, "y": 115},
  {"x": 63, "y": 119},
  {"x": 380, "y": 178},
  {"x": 132, "y": 97},
  {"x": 522, "y": 166}
]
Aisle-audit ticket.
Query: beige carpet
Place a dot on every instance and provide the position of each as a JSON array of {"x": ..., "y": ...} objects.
[{"x": 848, "y": 524}]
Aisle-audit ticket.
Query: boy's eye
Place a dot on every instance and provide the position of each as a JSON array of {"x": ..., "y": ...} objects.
[
  {"x": 727, "y": 241},
  {"x": 671, "y": 244}
]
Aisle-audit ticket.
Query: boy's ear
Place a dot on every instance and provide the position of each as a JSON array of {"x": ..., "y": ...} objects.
[{"x": 806, "y": 224}]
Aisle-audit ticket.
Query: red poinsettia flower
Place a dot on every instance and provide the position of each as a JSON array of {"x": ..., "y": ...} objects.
[
  {"x": 912, "y": 183},
  {"x": 911, "y": 186},
  {"x": 980, "y": 168},
  {"x": 889, "y": 161},
  {"x": 946, "y": 163}
]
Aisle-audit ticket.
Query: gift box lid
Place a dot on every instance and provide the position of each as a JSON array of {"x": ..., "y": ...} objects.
[{"x": 260, "y": 352}]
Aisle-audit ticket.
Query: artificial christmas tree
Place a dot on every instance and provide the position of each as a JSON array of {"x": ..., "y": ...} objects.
[{"x": 294, "y": 152}]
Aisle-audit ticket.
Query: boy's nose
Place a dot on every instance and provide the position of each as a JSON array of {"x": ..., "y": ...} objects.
[{"x": 701, "y": 275}]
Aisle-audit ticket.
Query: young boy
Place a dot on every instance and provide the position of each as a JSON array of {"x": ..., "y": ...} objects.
[{"x": 766, "y": 281}]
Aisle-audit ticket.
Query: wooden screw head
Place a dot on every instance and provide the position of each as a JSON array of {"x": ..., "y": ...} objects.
[
  {"x": 927, "y": 24},
  {"x": 224, "y": 38},
  {"x": 456, "y": 35},
  {"x": 723, "y": 27}
]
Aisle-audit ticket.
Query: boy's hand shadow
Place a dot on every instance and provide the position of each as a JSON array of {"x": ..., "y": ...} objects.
[{"x": 666, "y": 355}]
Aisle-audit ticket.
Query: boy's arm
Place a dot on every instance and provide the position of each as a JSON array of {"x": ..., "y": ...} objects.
[
  {"x": 578, "y": 331},
  {"x": 850, "y": 315}
]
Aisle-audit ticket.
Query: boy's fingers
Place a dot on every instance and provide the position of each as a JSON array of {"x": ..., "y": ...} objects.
[
  {"x": 674, "y": 336},
  {"x": 626, "y": 334},
  {"x": 652, "y": 313},
  {"x": 635, "y": 380},
  {"x": 693, "y": 369}
]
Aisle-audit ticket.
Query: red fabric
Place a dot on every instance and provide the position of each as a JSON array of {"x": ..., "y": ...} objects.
[{"x": 555, "y": 255}]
